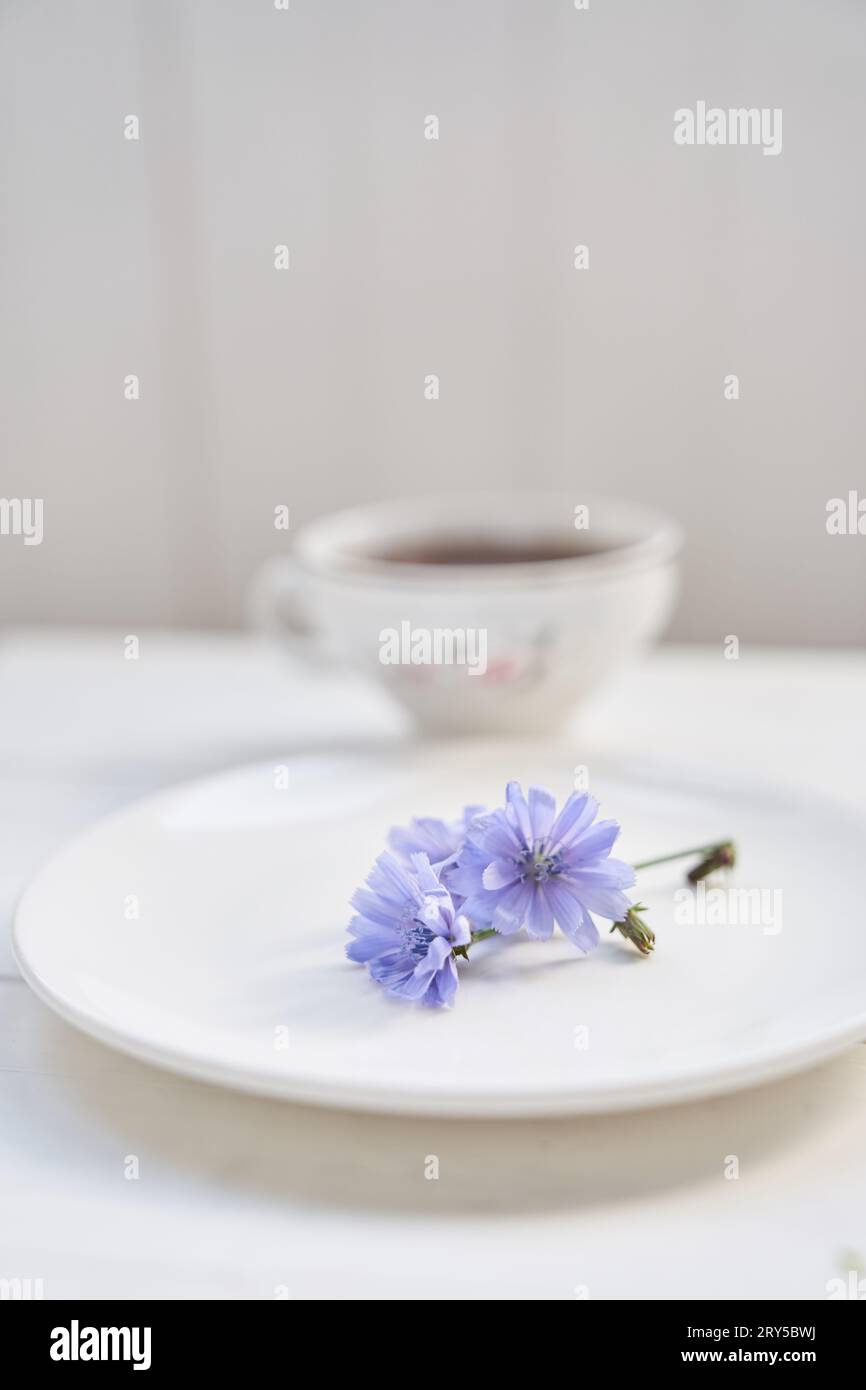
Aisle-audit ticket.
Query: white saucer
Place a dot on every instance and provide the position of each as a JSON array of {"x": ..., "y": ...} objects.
[{"x": 234, "y": 969}]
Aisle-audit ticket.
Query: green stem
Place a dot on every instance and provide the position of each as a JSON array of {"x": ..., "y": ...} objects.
[
  {"x": 680, "y": 854},
  {"x": 483, "y": 934}
]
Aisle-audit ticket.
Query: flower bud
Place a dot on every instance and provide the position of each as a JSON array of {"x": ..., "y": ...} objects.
[
  {"x": 635, "y": 930},
  {"x": 722, "y": 857}
]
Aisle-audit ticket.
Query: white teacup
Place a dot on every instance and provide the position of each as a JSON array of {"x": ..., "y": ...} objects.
[{"x": 481, "y": 613}]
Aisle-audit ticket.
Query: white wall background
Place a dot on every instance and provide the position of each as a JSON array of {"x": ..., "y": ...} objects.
[{"x": 411, "y": 256}]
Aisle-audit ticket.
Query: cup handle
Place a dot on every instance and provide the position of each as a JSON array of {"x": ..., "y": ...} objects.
[{"x": 271, "y": 608}]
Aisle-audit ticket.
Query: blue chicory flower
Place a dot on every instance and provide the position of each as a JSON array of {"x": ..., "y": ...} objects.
[
  {"x": 406, "y": 927},
  {"x": 522, "y": 865},
  {"x": 440, "y": 840}
]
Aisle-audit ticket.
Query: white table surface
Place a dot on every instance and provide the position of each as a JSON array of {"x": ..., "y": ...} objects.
[{"x": 242, "y": 1198}]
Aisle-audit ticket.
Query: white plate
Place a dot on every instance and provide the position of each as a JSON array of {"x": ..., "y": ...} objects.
[{"x": 233, "y": 971}]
